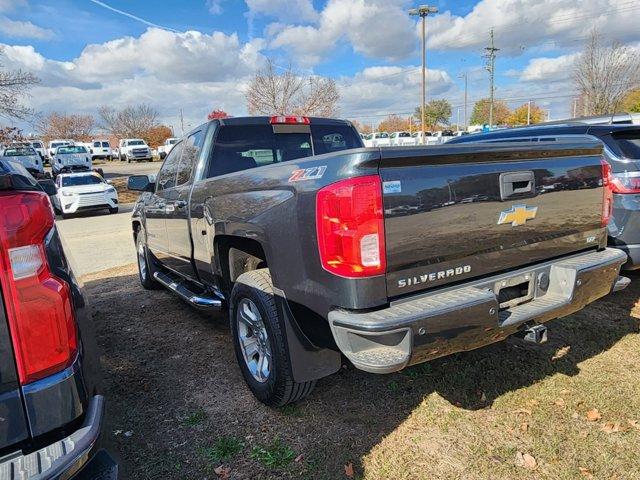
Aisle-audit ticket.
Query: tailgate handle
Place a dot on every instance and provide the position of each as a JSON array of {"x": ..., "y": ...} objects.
[{"x": 517, "y": 185}]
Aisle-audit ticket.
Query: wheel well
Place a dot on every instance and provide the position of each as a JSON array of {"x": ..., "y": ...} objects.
[{"x": 237, "y": 255}]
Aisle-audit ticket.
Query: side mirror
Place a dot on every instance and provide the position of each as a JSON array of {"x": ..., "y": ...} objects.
[
  {"x": 48, "y": 186},
  {"x": 142, "y": 183},
  {"x": 109, "y": 182}
]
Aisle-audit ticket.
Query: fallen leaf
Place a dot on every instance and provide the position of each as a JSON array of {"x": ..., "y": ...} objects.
[
  {"x": 525, "y": 460},
  {"x": 524, "y": 411},
  {"x": 299, "y": 458},
  {"x": 559, "y": 402},
  {"x": 561, "y": 352},
  {"x": 524, "y": 427},
  {"x": 593, "y": 415},
  {"x": 611, "y": 427},
  {"x": 634, "y": 424},
  {"x": 222, "y": 472},
  {"x": 348, "y": 470},
  {"x": 565, "y": 392},
  {"x": 585, "y": 472},
  {"x": 575, "y": 415}
]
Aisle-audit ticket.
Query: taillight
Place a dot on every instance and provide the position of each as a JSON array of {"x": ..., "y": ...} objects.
[
  {"x": 289, "y": 120},
  {"x": 625, "y": 182},
  {"x": 607, "y": 195},
  {"x": 350, "y": 226},
  {"x": 37, "y": 303}
]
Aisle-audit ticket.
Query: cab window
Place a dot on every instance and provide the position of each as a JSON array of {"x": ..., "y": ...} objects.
[{"x": 167, "y": 174}]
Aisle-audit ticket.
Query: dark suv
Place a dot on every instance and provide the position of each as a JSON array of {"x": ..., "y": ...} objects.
[
  {"x": 622, "y": 151},
  {"x": 50, "y": 406}
]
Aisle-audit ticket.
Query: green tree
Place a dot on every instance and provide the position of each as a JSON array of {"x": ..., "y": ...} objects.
[
  {"x": 631, "y": 102},
  {"x": 519, "y": 115},
  {"x": 480, "y": 115},
  {"x": 435, "y": 112}
]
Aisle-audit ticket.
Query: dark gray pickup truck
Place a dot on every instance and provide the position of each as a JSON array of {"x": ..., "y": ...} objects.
[{"x": 320, "y": 248}]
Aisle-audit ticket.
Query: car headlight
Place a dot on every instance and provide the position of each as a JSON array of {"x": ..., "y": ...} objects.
[
  {"x": 111, "y": 190},
  {"x": 67, "y": 194}
]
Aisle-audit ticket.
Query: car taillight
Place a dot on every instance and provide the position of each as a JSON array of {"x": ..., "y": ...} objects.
[
  {"x": 607, "y": 195},
  {"x": 625, "y": 182},
  {"x": 38, "y": 304},
  {"x": 289, "y": 120},
  {"x": 350, "y": 227}
]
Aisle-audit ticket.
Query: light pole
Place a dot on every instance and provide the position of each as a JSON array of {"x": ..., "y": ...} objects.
[
  {"x": 423, "y": 12},
  {"x": 464, "y": 75}
]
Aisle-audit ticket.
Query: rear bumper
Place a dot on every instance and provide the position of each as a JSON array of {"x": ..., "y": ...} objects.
[
  {"x": 71, "y": 457},
  {"x": 468, "y": 316}
]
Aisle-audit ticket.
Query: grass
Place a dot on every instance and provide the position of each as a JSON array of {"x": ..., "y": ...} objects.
[
  {"x": 275, "y": 455},
  {"x": 484, "y": 410},
  {"x": 223, "y": 449},
  {"x": 195, "y": 418}
]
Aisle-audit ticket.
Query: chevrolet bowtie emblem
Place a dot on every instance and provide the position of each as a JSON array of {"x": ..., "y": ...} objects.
[{"x": 517, "y": 215}]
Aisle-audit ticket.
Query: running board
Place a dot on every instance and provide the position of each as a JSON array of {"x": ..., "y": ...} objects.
[{"x": 208, "y": 301}]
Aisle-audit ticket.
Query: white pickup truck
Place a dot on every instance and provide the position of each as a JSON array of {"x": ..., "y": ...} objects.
[
  {"x": 134, "y": 149},
  {"x": 165, "y": 148}
]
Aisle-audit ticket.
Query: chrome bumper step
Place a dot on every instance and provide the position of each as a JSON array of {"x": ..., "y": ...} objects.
[{"x": 182, "y": 288}]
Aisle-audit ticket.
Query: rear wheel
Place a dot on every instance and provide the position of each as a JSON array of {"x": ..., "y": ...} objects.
[
  {"x": 144, "y": 271},
  {"x": 260, "y": 343},
  {"x": 113, "y": 210}
]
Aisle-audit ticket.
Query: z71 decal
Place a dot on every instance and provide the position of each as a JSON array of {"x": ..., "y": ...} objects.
[{"x": 312, "y": 173}]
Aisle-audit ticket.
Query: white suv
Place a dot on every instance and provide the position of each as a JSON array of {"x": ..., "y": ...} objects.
[{"x": 134, "y": 149}]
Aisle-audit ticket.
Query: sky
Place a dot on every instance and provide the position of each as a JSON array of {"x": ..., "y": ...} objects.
[{"x": 200, "y": 55}]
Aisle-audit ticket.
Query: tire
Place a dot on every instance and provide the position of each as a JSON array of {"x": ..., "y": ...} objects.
[
  {"x": 122, "y": 159},
  {"x": 113, "y": 210},
  {"x": 145, "y": 273},
  {"x": 254, "y": 291}
]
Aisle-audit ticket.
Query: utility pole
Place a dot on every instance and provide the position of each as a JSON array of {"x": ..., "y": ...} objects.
[
  {"x": 458, "y": 122},
  {"x": 575, "y": 107},
  {"x": 491, "y": 68},
  {"x": 529, "y": 113},
  {"x": 423, "y": 12},
  {"x": 181, "y": 121},
  {"x": 464, "y": 75}
]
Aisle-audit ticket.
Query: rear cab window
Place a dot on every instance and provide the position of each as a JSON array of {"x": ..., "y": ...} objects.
[
  {"x": 241, "y": 147},
  {"x": 628, "y": 143}
]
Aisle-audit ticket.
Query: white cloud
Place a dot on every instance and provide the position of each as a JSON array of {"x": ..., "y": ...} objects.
[
  {"x": 297, "y": 11},
  {"x": 382, "y": 90},
  {"x": 546, "y": 69},
  {"x": 8, "y": 5},
  {"x": 523, "y": 24},
  {"x": 374, "y": 28},
  {"x": 214, "y": 6},
  {"x": 20, "y": 29},
  {"x": 191, "y": 70}
]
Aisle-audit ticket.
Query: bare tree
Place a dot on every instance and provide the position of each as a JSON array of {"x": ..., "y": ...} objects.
[
  {"x": 287, "y": 93},
  {"x": 132, "y": 121},
  {"x": 603, "y": 75},
  {"x": 62, "y": 125},
  {"x": 14, "y": 86}
]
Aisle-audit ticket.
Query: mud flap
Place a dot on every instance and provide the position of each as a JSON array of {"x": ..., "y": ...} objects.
[{"x": 308, "y": 362}]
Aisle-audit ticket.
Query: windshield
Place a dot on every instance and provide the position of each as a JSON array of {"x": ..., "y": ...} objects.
[
  {"x": 382, "y": 135},
  {"x": 36, "y": 145},
  {"x": 19, "y": 152},
  {"x": 72, "y": 149},
  {"x": 135, "y": 142},
  {"x": 81, "y": 180},
  {"x": 58, "y": 144},
  {"x": 248, "y": 146}
]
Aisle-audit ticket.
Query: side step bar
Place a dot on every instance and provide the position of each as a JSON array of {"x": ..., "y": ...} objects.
[{"x": 208, "y": 301}]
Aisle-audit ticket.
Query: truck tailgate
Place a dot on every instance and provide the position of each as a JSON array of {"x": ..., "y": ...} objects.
[{"x": 464, "y": 211}]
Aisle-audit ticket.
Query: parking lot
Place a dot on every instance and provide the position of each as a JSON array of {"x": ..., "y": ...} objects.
[{"x": 178, "y": 407}]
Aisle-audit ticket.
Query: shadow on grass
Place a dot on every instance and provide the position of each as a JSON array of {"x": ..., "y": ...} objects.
[{"x": 163, "y": 361}]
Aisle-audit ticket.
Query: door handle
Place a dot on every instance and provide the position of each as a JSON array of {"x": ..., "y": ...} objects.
[{"x": 180, "y": 203}]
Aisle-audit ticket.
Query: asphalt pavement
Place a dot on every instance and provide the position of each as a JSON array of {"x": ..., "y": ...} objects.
[{"x": 98, "y": 240}]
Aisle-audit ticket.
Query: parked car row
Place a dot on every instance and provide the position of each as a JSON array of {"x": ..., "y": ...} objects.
[{"x": 402, "y": 138}]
